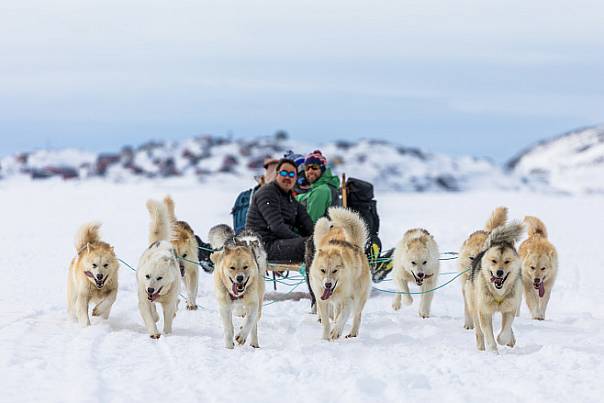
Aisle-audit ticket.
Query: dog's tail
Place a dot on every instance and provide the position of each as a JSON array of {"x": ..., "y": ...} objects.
[
  {"x": 535, "y": 226},
  {"x": 352, "y": 223},
  {"x": 87, "y": 234},
  {"x": 505, "y": 234},
  {"x": 498, "y": 217},
  {"x": 219, "y": 234},
  {"x": 169, "y": 203},
  {"x": 159, "y": 229}
]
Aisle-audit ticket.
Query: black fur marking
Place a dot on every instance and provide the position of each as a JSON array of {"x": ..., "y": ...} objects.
[
  {"x": 156, "y": 244},
  {"x": 345, "y": 244}
]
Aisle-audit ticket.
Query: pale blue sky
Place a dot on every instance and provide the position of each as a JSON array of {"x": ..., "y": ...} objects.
[{"x": 485, "y": 78}]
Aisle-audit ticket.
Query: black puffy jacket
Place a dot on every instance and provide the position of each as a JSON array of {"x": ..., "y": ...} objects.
[{"x": 275, "y": 214}]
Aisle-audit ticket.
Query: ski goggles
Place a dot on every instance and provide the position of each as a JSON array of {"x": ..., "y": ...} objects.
[
  {"x": 315, "y": 167},
  {"x": 284, "y": 173}
]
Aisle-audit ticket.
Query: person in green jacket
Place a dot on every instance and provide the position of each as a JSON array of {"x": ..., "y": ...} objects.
[{"x": 324, "y": 186}]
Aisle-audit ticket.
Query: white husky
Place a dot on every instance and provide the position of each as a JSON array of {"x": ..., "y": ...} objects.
[{"x": 158, "y": 273}]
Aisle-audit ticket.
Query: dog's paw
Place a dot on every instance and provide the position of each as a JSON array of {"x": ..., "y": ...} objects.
[
  {"x": 506, "y": 340},
  {"x": 396, "y": 305},
  {"x": 538, "y": 317},
  {"x": 155, "y": 336},
  {"x": 191, "y": 307},
  {"x": 351, "y": 335},
  {"x": 468, "y": 326},
  {"x": 334, "y": 334},
  {"x": 230, "y": 345},
  {"x": 424, "y": 315},
  {"x": 255, "y": 345},
  {"x": 407, "y": 300},
  {"x": 240, "y": 339},
  {"x": 480, "y": 347},
  {"x": 95, "y": 311}
]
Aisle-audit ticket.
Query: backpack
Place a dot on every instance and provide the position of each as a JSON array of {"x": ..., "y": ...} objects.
[
  {"x": 240, "y": 208},
  {"x": 360, "y": 198}
]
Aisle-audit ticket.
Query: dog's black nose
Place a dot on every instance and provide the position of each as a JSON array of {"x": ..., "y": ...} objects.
[
  {"x": 420, "y": 275},
  {"x": 150, "y": 290},
  {"x": 328, "y": 285},
  {"x": 537, "y": 280},
  {"x": 499, "y": 273},
  {"x": 240, "y": 278},
  {"x": 99, "y": 276}
]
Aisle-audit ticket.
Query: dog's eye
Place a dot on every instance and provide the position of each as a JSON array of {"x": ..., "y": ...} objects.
[
  {"x": 494, "y": 261},
  {"x": 413, "y": 263},
  {"x": 147, "y": 277},
  {"x": 507, "y": 262},
  {"x": 424, "y": 262},
  {"x": 185, "y": 255},
  {"x": 232, "y": 268},
  {"x": 532, "y": 267},
  {"x": 94, "y": 265},
  {"x": 159, "y": 278},
  {"x": 244, "y": 267},
  {"x": 543, "y": 268},
  {"x": 323, "y": 271},
  {"x": 106, "y": 265},
  {"x": 335, "y": 271},
  {"x": 471, "y": 257}
]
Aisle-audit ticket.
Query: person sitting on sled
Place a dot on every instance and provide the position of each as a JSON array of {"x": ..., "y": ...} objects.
[
  {"x": 324, "y": 186},
  {"x": 281, "y": 222}
]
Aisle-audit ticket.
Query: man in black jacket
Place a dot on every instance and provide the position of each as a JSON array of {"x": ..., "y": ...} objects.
[{"x": 281, "y": 222}]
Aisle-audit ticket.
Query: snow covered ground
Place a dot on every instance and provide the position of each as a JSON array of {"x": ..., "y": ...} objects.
[{"x": 398, "y": 356}]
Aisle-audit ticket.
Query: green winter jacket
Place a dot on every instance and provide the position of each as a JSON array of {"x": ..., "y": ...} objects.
[{"x": 319, "y": 198}]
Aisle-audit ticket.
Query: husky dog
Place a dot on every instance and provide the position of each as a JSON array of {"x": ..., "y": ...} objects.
[
  {"x": 471, "y": 248},
  {"x": 339, "y": 274},
  {"x": 158, "y": 273},
  {"x": 185, "y": 244},
  {"x": 539, "y": 267},
  {"x": 240, "y": 264},
  {"x": 416, "y": 259},
  {"x": 92, "y": 276},
  {"x": 495, "y": 286}
]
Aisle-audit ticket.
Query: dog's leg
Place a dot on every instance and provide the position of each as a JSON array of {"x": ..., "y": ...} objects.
[
  {"x": 81, "y": 309},
  {"x": 519, "y": 306},
  {"x": 403, "y": 288},
  {"x": 250, "y": 319},
  {"x": 227, "y": 324},
  {"x": 468, "y": 321},
  {"x": 146, "y": 309},
  {"x": 169, "y": 309},
  {"x": 426, "y": 299},
  {"x": 356, "y": 319},
  {"x": 323, "y": 309},
  {"x": 103, "y": 308},
  {"x": 532, "y": 302},
  {"x": 479, "y": 334},
  {"x": 543, "y": 302},
  {"x": 191, "y": 283},
  {"x": 506, "y": 336},
  {"x": 486, "y": 325},
  {"x": 344, "y": 312}
]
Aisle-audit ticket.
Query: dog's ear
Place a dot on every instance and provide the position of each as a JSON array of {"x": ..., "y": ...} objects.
[
  {"x": 87, "y": 247},
  {"x": 216, "y": 257}
]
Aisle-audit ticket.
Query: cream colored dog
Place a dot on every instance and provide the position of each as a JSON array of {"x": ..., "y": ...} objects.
[
  {"x": 240, "y": 265},
  {"x": 186, "y": 247},
  {"x": 339, "y": 274},
  {"x": 92, "y": 276},
  {"x": 471, "y": 248},
  {"x": 416, "y": 259},
  {"x": 158, "y": 273},
  {"x": 539, "y": 267},
  {"x": 495, "y": 286}
]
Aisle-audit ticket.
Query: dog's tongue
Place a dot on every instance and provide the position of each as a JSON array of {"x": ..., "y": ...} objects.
[
  {"x": 541, "y": 289},
  {"x": 327, "y": 293},
  {"x": 234, "y": 289}
]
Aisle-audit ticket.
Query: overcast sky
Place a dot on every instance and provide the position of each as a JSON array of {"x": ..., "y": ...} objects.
[{"x": 485, "y": 78}]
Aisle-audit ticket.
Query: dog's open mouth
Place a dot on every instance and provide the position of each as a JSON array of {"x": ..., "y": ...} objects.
[
  {"x": 99, "y": 283},
  {"x": 238, "y": 288},
  {"x": 420, "y": 280},
  {"x": 498, "y": 281},
  {"x": 155, "y": 295},
  {"x": 327, "y": 292},
  {"x": 539, "y": 286}
]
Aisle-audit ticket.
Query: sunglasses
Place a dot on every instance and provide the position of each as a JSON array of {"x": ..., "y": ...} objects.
[
  {"x": 284, "y": 173},
  {"x": 314, "y": 167}
]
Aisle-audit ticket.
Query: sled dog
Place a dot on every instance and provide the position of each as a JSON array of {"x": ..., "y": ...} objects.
[
  {"x": 539, "y": 267},
  {"x": 471, "y": 248},
  {"x": 416, "y": 259},
  {"x": 240, "y": 265},
  {"x": 495, "y": 286},
  {"x": 186, "y": 247},
  {"x": 339, "y": 274},
  {"x": 92, "y": 276},
  {"x": 158, "y": 273}
]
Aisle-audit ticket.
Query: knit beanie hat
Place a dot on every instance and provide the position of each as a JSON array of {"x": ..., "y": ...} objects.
[
  {"x": 316, "y": 157},
  {"x": 297, "y": 158}
]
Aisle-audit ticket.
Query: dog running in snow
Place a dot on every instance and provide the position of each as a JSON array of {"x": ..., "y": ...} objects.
[
  {"x": 93, "y": 276},
  {"x": 158, "y": 274},
  {"x": 416, "y": 259},
  {"x": 339, "y": 274},
  {"x": 495, "y": 286},
  {"x": 240, "y": 264},
  {"x": 539, "y": 267},
  {"x": 185, "y": 244},
  {"x": 471, "y": 248}
]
